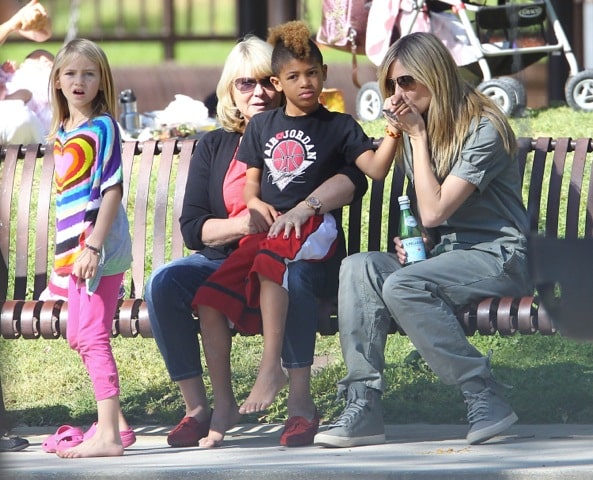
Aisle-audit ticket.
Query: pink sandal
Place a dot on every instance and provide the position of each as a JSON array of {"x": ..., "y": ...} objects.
[
  {"x": 65, "y": 437},
  {"x": 128, "y": 437}
]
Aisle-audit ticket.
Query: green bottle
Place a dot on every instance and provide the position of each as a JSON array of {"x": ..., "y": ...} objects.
[{"x": 409, "y": 232}]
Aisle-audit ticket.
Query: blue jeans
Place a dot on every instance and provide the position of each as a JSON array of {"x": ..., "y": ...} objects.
[
  {"x": 423, "y": 299},
  {"x": 171, "y": 288}
]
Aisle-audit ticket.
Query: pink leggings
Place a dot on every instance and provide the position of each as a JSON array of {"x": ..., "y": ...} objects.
[{"x": 88, "y": 330}]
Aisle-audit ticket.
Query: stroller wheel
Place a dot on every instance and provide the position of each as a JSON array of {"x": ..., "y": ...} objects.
[
  {"x": 520, "y": 95},
  {"x": 579, "y": 91},
  {"x": 502, "y": 93},
  {"x": 369, "y": 102}
]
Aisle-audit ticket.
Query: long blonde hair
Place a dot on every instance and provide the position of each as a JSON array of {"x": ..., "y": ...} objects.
[
  {"x": 455, "y": 106},
  {"x": 251, "y": 57},
  {"x": 104, "y": 102}
]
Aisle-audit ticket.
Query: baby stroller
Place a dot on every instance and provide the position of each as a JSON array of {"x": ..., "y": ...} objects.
[{"x": 489, "y": 42}]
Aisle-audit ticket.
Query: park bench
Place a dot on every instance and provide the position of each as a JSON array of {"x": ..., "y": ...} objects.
[{"x": 553, "y": 170}]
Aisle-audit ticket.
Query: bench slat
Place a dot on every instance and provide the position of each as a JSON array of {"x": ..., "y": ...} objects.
[
  {"x": 8, "y": 174},
  {"x": 555, "y": 186},
  {"x": 538, "y": 166},
  {"x": 375, "y": 220},
  {"x": 139, "y": 215},
  {"x": 43, "y": 249},
  {"x": 161, "y": 202},
  {"x": 185, "y": 154},
  {"x": 397, "y": 189},
  {"x": 589, "y": 215},
  {"x": 130, "y": 149},
  {"x": 23, "y": 225},
  {"x": 574, "y": 191}
]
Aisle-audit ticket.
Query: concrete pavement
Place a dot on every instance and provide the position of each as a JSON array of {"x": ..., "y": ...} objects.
[{"x": 542, "y": 452}]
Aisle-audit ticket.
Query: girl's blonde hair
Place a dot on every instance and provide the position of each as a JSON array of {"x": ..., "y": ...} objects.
[
  {"x": 251, "y": 57},
  {"x": 104, "y": 102},
  {"x": 455, "y": 106}
]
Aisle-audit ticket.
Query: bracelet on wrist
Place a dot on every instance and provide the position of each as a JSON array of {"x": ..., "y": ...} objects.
[
  {"x": 391, "y": 134},
  {"x": 95, "y": 250}
]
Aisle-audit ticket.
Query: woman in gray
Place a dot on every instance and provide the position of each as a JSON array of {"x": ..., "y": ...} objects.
[{"x": 457, "y": 150}]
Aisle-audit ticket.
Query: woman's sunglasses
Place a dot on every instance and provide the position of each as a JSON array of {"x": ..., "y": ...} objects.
[
  {"x": 405, "y": 82},
  {"x": 246, "y": 84}
]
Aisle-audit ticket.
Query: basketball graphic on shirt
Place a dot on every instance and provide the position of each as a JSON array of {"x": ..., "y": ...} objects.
[
  {"x": 288, "y": 156},
  {"x": 287, "y": 159}
]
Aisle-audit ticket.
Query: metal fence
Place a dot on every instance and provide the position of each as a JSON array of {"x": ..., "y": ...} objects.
[{"x": 165, "y": 21}]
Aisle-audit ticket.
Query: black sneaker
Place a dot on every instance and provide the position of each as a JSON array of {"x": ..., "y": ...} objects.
[
  {"x": 12, "y": 444},
  {"x": 488, "y": 413},
  {"x": 361, "y": 422}
]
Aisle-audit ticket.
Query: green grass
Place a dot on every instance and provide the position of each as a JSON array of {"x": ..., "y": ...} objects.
[{"x": 45, "y": 384}]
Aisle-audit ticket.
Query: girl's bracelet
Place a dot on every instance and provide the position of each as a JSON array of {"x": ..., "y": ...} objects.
[
  {"x": 391, "y": 134},
  {"x": 95, "y": 250}
]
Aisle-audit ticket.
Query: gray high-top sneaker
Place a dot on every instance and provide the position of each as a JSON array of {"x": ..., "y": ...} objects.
[
  {"x": 488, "y": 413},
  {"x": 361, "y": 422}
]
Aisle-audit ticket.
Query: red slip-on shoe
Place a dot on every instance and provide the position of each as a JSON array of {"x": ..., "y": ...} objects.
[
  {"x": 128, "y": 437},
  {"x": 298, "y": 431},
  {"x": 188, "y": 432}
]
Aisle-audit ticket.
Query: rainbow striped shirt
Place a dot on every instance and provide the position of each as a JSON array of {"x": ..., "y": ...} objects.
[{"x": 88, "y": 161}]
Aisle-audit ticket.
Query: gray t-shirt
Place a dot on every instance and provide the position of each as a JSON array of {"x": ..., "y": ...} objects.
[{"x": 494, "y": 212}]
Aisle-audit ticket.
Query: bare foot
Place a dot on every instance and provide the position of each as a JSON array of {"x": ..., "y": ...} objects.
[
  {"x": 222, "y": 419},
  {"x": 94, "y": 447},
  {"x": 267, "y": 385}
]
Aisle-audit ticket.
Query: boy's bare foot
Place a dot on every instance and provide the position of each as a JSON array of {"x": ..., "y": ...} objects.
[
  {"x": 94, "y": 447},
  {"x": 267, "y": 385},
  {"x": 222, "y": 419}
]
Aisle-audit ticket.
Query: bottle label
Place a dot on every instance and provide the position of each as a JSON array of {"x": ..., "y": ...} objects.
[
  {"x": 414, "y": 247},
  {"x": 410, "y": 221}
]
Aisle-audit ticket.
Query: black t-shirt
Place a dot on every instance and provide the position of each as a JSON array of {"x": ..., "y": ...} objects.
[{"x": 297, "y": 154}]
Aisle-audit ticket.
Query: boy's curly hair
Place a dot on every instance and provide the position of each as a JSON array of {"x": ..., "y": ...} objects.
[
  {"x": 292, "y": 40},
  {"x": 293, "y": 35}
]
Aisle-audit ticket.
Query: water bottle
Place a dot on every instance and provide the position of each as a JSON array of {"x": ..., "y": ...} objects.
[
  {"x": 129, "y": 119},
  {"x": 409, "y": 232}
]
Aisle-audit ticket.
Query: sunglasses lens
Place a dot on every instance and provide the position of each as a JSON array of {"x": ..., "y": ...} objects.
[
  {"x": 406, "y": 82},
  {"x": 245, "y": 85},
  {"x": 266, "y": 83}
]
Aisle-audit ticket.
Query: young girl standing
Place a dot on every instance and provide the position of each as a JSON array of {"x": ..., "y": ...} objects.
[{"x": 93, "y": 245}]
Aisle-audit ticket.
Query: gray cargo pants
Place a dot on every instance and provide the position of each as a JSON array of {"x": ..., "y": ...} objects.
[{"x": 423, "y": 299}]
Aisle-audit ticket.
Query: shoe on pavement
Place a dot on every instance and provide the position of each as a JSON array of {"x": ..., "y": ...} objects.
[
  {"x": 66, "y": 437},
  {"x": 188, "y": 432},
  {"x": 12, "y": 444},
  {"x": 361, "y": 422},
  {"x": 298, "y": 431},
  {"x": 488, "y": 413}
]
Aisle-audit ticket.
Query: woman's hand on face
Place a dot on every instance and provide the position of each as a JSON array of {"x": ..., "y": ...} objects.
[
  {"x": 407, "y": 118},
  {"x": 293, "y": 219},
  {"x": 390, "y": 111}
]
